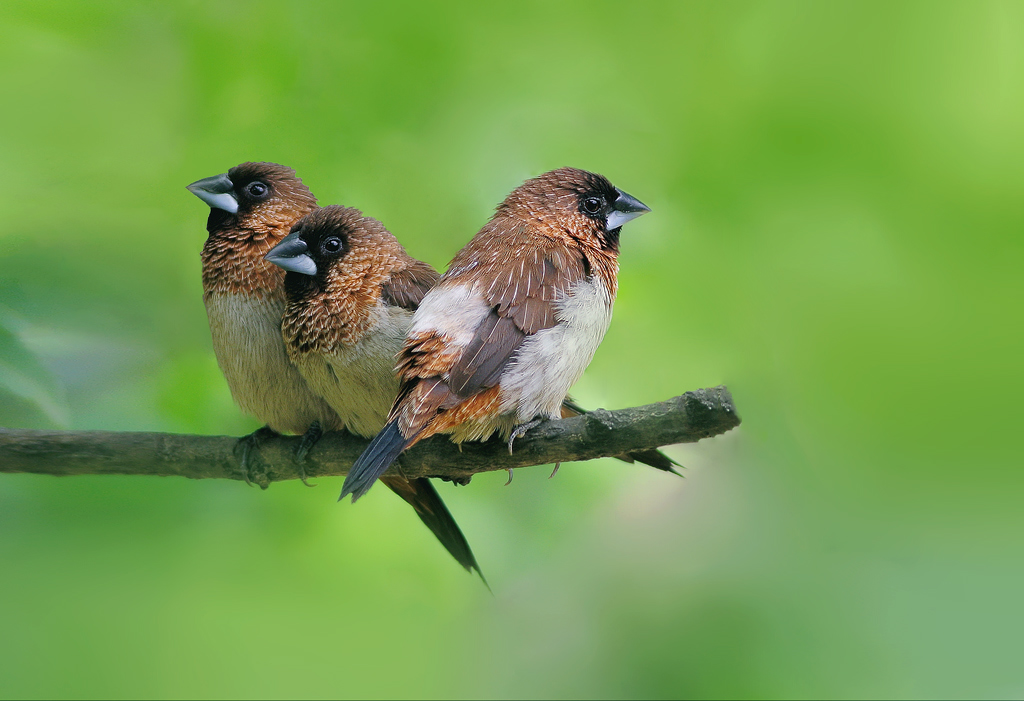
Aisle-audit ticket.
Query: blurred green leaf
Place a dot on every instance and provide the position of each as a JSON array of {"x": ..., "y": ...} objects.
[{"x": 23, "y": 377}]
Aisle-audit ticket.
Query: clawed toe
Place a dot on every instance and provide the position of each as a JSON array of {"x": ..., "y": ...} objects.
[
  {"x": 520, "y": 431},
  {"x": 309, "y": 439},
  {"x": 248, "y": 443}
]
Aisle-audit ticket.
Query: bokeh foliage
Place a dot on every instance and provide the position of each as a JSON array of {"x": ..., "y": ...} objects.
[{"x": 838, "y": 196}]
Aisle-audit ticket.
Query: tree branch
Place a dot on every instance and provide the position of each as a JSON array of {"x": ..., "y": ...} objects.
[{"x": 600, "y": 433}]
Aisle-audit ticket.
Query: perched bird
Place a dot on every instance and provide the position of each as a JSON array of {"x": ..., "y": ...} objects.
[
  {"x": 351, "y": 291},
  {"x": 252, "y": 208},
  {"x": 513, "y": 322}
]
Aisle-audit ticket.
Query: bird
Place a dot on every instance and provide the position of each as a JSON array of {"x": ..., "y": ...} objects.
[
  {"x": 351, "y": 292},
  {"x": 496, "y": 344},
  {"x": 252, "y": 209}
]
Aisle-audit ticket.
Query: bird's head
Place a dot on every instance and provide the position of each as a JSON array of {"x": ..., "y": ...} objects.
[
  {"x": 254, "y": 195},
  {"x": 571, "y": 202},
  {"x": 325, "y": 239}
]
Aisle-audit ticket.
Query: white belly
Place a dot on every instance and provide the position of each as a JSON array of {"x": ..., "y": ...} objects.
[
  {"x": 359, "y": 380},
  {"x": 551, "y": 361},
  {"x": 247, "y": 341}
]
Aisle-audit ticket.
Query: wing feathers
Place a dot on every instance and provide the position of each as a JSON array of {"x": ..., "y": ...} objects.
[
  {"x": 505, "y": 338},
  {"x": 522, "y": 295},
  {"x": 481, "y": 363},
  {"x": 406, "y": 288},
  {"x": 444, "y": 361}
]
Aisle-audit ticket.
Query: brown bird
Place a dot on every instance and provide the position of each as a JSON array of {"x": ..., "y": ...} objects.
[
  {"x": 352, "y": 290},
  {"x": 252, "y": 208},
  {"x": 514, "y": 321}
]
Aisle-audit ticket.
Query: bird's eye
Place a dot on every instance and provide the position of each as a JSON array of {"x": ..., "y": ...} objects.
[
  {"x": 257, "y": 190},
  {"x": 332, "y": 245},
  {"x": 592, "y": 205}
]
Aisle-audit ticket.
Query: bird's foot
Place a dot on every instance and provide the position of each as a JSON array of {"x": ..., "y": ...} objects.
[
  {"x": 247, "y": 444},
  {"x": 520, "y": 431},
  {"x": 555, "y": 471},
  {"x": 309, "y": 439}
]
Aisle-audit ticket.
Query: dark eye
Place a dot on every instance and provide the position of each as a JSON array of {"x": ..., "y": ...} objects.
[
  {"x": 592, "y": 205},
  {"x": 257, "y": 190},
  {"x": 332, "y": 244}
]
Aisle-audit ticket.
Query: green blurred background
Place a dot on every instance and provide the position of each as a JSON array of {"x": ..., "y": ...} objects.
[{"x": 838, "y": 214}]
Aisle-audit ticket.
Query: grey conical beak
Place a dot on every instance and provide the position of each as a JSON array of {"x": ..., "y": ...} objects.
[
  {"x": 625, "y": 208},
  {"x": 291, "y": 255},
  {"x": 218, "y": 192}
]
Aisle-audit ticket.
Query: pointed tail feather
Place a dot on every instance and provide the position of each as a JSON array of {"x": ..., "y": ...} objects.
[
  {"x": 653, "y": 457},
  {"x": 571, "y": 408},
  {"x": 383, "y": 450},
  {"x": 421, "y": 495}
]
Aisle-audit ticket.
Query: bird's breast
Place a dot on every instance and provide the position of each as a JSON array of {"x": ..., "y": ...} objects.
[
  {"x": 246, "y": 333},
  {"x": 550, "y": 361},
  {"x": 357, "y": 378}
]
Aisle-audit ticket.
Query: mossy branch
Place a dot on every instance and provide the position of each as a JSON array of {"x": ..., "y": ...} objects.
[{"x": 600, "y": 433}]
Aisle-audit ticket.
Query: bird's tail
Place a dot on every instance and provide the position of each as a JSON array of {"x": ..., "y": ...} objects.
[
  {"x": 653, "y": 457},
  {"x": 383, "y": 450},
  {"x": 420, "y": 494}
]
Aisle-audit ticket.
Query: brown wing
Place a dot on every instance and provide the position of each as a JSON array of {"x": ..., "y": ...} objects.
[
  {"x": 521, "y": 295},
  {"x": 486, "y": 356},
  {"x": 520, "y": 277},
  {"x": 406, "y": 287}
]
